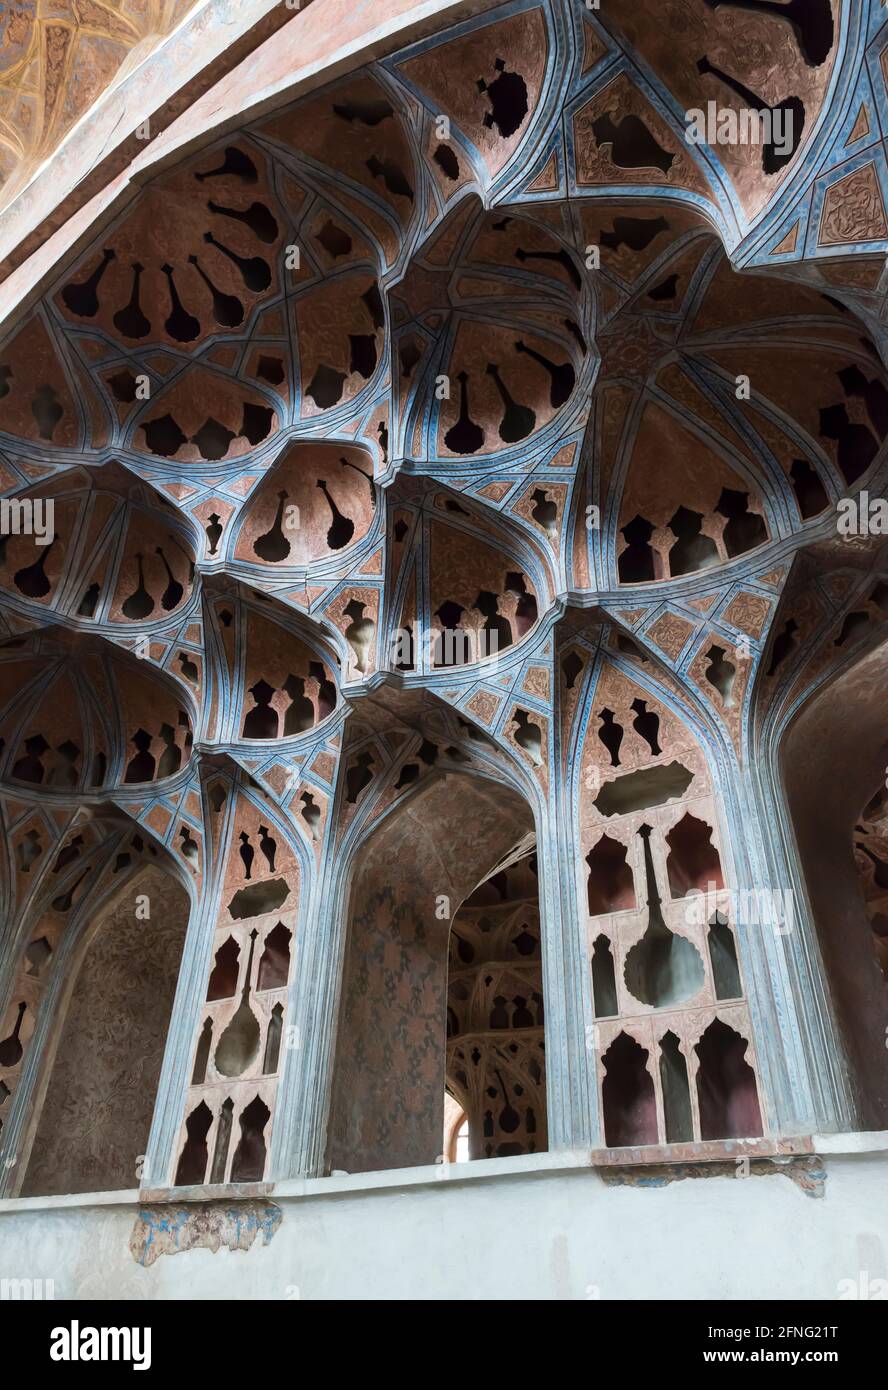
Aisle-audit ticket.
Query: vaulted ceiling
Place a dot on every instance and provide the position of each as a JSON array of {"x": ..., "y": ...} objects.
[{"x": 456, "y": 339}]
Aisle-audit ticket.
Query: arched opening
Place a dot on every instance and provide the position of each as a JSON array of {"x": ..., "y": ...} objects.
[
  {"x": 726, "y": 1089},
  {"x": 693, "y": 860},
  {"x": 456, "y": 1131},
  {"x": 99, "y": 1078},
  {"x": 627, "y": 1093},
  {"x": 611, "y": 887},
  {"x": 409, "y": 878},
  {"x": 833, "y": 760},
  {"x": 496, "y": 1064}
]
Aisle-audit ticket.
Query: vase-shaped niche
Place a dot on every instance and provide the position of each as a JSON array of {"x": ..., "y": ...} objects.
[{"x": 663, "y": 968}]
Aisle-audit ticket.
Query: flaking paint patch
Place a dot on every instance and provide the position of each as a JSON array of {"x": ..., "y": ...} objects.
[
  {"x": 807, "y": 1172},
  {"x": 167, "y": 1230}
]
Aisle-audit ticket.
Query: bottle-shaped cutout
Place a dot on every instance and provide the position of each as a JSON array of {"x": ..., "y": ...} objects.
[
  {"x": 87, "y": 606},
  {"x": 509, "y": 1119},
  {"x": 214, "y": 529},
  {"x": 561, "y": 258},
  {"x": 721, "y": 674},
  {"x": 257, "y": 217},
  {"x": 247, "y": 854},
  {"x": 83, "y": 298},
  {"x": 172, "y": 594},
  {"x": 181, "y": 325},
  {"x": 662, "y": 968},
  {"x": 528, "y": 736},
  {"x": 310, "y": 813},
  {"x": 518, "y": 420},
  {"x": 130, "y": 320},
  {"x": 64, "y": 900},
  {"x": 273, "y": 545},
  {"x": 202, "y": 1055},
  {"x": 545, "y": 512},
  {"x": 464, "y": 437},
  {"x": 170, "y": 762},
  {"x": 141, "y": 766},
  {"x": 223, "y": 1140},
  {"x": 262, "y": 721},
  {"x": 227, "y": 308},
  {"x": 346, "y": 463},
  {"x": 611, "y": 734},
  {"x": 29, "y": 767},
  {"x": 32, "y": 581},
  {"x": 300, "y": 714},
  {"x": 268, "y": 846},
  {"x": 341, "y": 528},
  {"x": 235, "y": 162},
  {"x": 139, "y": 603},
  {"x": 359, "y": 633},
  {"x": 11, "y": 1048},
  {"x": 273, "y": 1040},
  {"x": 811, "y": 19},
  {"x": 647, "y": 725},
  {"x": 776, "y": 154},
  {"x": 692, "y": 550},
  {"x": 562, "y": 375},
  {"x": 255, "y": 272},
  {"x": 635, "y": 563},
  {"x": 239, "y": 1042}
]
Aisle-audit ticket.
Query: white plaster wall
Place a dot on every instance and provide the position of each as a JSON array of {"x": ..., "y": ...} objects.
[{"x": 518, "y": 1230}]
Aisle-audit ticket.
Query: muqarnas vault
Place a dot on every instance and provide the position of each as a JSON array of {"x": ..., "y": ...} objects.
[{"x": 445, "y": 626}]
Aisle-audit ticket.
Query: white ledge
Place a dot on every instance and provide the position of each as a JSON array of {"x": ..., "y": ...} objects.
[{"x": 481, "y": 1170}]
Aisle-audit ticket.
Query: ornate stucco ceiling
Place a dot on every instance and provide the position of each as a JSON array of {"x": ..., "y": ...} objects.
[{"x": 455, "y": 340}]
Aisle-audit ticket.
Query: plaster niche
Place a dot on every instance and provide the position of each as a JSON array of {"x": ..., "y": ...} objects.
[
  {"x": 103, "y": 1063},
  {"x": 79, "y": 714},
  {"x": 434, "y": 848},
  {"x": 496, "y": 1066},
  {"x": 832, "y": 756}
]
